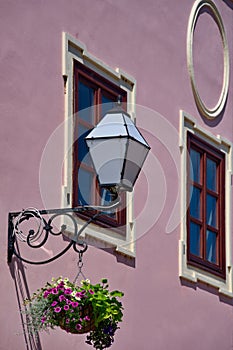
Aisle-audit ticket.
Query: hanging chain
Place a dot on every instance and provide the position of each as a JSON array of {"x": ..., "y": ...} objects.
[{"x": 80, "y": 265}]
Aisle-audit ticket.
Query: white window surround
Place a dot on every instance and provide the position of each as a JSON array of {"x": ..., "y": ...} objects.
[
  {"x": 193, "y": 274},
  {"x": 74, "y": 50}
]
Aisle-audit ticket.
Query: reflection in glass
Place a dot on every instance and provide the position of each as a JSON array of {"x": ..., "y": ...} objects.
[
  {"x": 107, "y": 104},
  {"x": 211, "y": 214},
  {"x": 195, "y": 158},
  {"x": 211, "y": 174},
  {"x": 211, "y": 240},
  {"x": 85, "y": 181},
  {"x": 83, "y": 154},
  {"x": 106, "y": 199},
  {"x": 85, "y": 101},
  {"x": 195, "y": 202},
  {"x": 195, "y": 239}
]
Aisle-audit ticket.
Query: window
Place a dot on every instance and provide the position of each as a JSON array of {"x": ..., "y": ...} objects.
[
  {"x": 205, "y": 245},
  {"x": 93, "y": 97},
  {"x": 206, "y": 211},
  {"x": 90, "y": 89}
]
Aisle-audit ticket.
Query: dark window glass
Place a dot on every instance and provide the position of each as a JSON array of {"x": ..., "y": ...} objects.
[
  {"x": 93, "y": 97},
  {"x": 211, "y": 240},
  {"x": 205, "y": 216},
  {"x": 195, "y": 204},
  {"x": 195, "y": 239},
  {"x": 211, "y": 174},
  {"x": 195, "y": 158}
]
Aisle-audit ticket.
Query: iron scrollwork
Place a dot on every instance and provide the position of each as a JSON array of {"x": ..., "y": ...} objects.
[{"x": 37, "y": 238}]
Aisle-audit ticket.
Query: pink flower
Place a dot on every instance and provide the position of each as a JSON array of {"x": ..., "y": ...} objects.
[
  {"x": 54, "y": 291},
  {"x": 43, "y": 319},
  {"x": 68, "y": 291},
  {"x": 74, "y": 304},
  {"x": 91, "y": 291},
  {"x": 78, "y": 326},
  {"x": 54, "y": 303},
  {"x": 87, "y": 318},
  {"x": 66, "y": 307},
  {"x": 62, "y": 298},
  {"x": 46, "y": 293},
  {"x": 57, "y": 309}
]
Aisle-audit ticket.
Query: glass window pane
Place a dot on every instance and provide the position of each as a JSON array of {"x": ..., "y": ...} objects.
[
  {"x": 85, "y": 101},
  {"x": 211, "y": 240},
  {"x": 106, "y": 199},
  {"x": 195, "y": 203},
  {"x": 211, "y": 174},
  {"x": 83, "y": 154},
  {"x": 211, "y": 211},
  {"x": 85, "y": 183},
  {"x": 195, "y": 158},
  {"x": 107, "y": 104},
  {"x": 194, "y": 243}
]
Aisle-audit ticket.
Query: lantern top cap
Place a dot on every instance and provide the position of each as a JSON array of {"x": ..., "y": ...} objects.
[{"x": 116, "y": 123}]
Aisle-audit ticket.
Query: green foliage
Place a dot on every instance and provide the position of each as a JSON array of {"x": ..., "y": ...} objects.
[{"x": 77, "y": 309}]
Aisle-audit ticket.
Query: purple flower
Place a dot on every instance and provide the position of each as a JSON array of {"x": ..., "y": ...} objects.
[
  {"x": 66, "y": 307},
  {"x": 78, "y": 326},
  {"x": 67, "y": 320},
  {"x": 74, "y": 304},
  {"x": 54, "y": 291},
  {"x": 43, "y": 319},
  {"x": 79, "y": 295},
  {"x": 91, "y": 291},
  {"x": 46, "y": 293},
  {"x": 57, "y": 309},
  {"x": 62, "y": 298},
  {"x": 54, "y": 303},
  {"x": 68, "y": 291},
  {"x": 87, "y": 318}
]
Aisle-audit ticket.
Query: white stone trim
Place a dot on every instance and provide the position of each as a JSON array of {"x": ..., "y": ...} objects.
[
  {"x": 188, "y": 123},
  {"x": 214, "y": 112},
  {"x": 74, "y": 50}
]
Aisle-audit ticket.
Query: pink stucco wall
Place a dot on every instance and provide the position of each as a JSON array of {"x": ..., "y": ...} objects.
[{"x": 147, "y": 39}]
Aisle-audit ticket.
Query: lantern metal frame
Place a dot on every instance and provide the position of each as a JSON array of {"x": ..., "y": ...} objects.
[{"x": 46, "y": 228}]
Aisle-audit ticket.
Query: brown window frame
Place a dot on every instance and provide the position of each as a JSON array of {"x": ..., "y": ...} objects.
[
  {"x": 207, "y": 151},
  {"x": 101, "y": 85}
]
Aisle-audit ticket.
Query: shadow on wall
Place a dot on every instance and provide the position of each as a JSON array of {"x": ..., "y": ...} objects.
[
  {"x": 229, "y": 3},
  {"x": 207, "y": 288},
  {"x": 17, "y": 270}
]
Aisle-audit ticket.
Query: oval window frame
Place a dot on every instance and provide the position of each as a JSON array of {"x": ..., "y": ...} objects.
[{"x": 210, "y": 113}]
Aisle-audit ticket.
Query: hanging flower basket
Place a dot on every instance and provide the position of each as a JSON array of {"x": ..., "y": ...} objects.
[{"x": 88, "y": 308}]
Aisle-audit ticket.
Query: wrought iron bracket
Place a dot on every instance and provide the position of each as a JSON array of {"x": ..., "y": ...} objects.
[{"x": 38, "y": 238}]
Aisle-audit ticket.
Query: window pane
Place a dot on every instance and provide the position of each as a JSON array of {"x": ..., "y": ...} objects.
[
  {"x": 195, "y": 203},
  {"x": 85, "y": 182},
  {"x": 85, "y": 100},
  {"x": 211, "y": 213},
  {"x": 211, "y": 240},
  {"x": 211, "y": 174},
  {"x": 195, "y": 158},
  {"x": 106, "y": 199},
  {"x": 83, "y": 154},
  {"x": 107, "y": 104},
  {"x": 195, "y": 239}
]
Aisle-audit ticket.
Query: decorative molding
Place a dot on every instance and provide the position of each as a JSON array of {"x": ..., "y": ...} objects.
[{"x": 214, "y": 112}]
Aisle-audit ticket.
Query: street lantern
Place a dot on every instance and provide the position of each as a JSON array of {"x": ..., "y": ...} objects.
[{"x": 118, "y": 150}]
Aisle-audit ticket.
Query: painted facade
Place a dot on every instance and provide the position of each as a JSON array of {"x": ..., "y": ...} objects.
[{"x": 166, "y": 307}]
